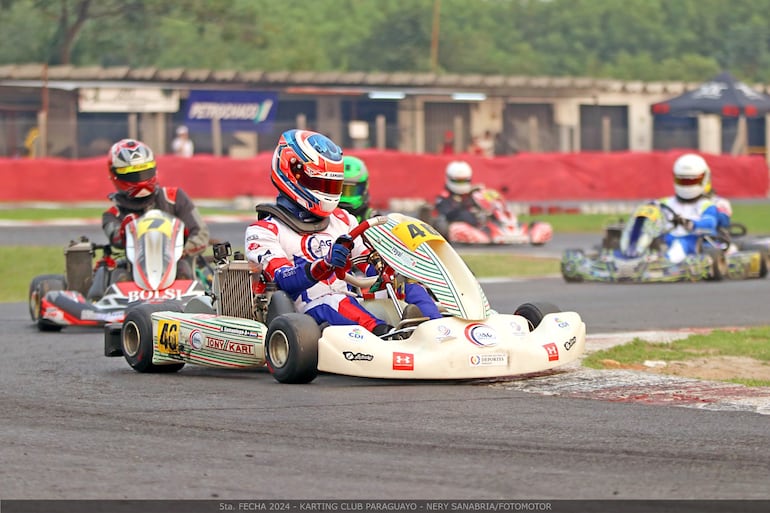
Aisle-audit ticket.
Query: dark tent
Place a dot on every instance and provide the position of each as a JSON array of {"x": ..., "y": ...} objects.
[{"x": 722, "y": 95}]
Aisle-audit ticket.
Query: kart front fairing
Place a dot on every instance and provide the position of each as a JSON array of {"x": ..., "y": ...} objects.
[
  {"x": 154, "y": 244},
  {"x": 470, "y": 341}
]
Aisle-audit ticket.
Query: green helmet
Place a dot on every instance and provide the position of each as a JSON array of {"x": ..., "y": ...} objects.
[{"x": 355, "y": 187}]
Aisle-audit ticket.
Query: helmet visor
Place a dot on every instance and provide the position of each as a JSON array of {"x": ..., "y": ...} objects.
[
  {"x": 135, "y": 174},
  {"x": 321, "y": 184},
  {"x": 686, "y": 181},
  {"x": 353, "y": 190}
]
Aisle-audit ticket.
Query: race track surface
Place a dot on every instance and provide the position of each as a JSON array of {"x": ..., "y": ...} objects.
[{"x": 77, "y": 425}]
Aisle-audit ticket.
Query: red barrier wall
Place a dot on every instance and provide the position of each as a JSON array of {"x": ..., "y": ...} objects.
[{"x": 522, "y": 177}]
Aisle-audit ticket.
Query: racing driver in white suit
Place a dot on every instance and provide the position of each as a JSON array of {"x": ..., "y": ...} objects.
[{"x": 301, "y": 241}]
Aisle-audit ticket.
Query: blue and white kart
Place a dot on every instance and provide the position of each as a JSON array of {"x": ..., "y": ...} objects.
[{"x": 635, "y": 252}]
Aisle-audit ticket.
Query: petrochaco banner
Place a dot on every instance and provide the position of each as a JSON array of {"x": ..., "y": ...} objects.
[{"x": 236, "y": 110}]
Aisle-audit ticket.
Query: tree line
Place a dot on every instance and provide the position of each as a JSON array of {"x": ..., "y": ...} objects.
[{"x": 649, "y": 40}]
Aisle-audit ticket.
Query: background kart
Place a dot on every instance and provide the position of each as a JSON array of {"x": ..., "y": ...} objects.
[
  {"x": 634, "y": 251},
  {"x": 241, "y": 329},
  {"x": 94, "y": 294},
  {"x": 497, "y": 224}
]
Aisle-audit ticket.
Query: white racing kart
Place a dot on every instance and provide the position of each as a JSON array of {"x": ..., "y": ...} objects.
[{"x": 237, "y": 327}]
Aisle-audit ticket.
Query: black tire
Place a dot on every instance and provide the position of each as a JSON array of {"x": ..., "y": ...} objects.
[
  {"x": 38, "y": 288},
  {"x": 535, "y": 311},
  {"x": 291, "y": 348},
  {"x": 136, "y": 337},
  {"x": 718, "y": 264},
  {"x": 566, "y": 272}
]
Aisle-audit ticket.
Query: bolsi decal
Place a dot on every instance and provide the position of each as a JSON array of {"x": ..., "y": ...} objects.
[
  {"x": 144, "y": 295},
  {"x": 403, "y": 361}
]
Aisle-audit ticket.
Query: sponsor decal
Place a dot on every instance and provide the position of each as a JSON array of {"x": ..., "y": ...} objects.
[
  {"x": 571, "y": 342},
  {"x": 517, "y": 329},
  {"x": 229, "y": 346},
  {"x": 403, "y": 361},
  {"x": 488, "y": 360},
  {"x": 239, "y": 331},
  {"x": 168, "y": 337},
  {"x": 443, "y": 333},
  {"x": 552, "y": 350},
  {"x": 560, "y": 323},
  {"x": 251, "y": 246},
  {"x": 145, "y": 295},
  {"x": 356, "y": 333},
  {"x": 90, "y": 315},
  {"x": 316, "y": 245},
  {"x": 360, "y": 357},
  {"x": 196, "y": 339},
  {"x": 481, "y": 334}
]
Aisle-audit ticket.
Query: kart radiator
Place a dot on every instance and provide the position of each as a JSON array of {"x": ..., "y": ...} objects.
[
  {"x": 79, "y": 266},
  {"x": 232, "y": 286}
]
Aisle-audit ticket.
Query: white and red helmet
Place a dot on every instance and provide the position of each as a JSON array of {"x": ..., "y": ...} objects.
[
  {"x": 308, "y": 169},
  {"x": 692, "y": 176},
  {"x": 132, "y": 168},
  {"x": 458, "y": 177}
]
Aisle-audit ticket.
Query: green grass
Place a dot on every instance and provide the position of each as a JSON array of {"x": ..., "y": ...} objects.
[
  {"x": 31, "y": 261},
  {"x": 751, "y": 343},
  {"x": 756, "y": 217}
]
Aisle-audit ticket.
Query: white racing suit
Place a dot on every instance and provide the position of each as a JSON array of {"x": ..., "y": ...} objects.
[
  {"x": 704, "y": 215},
  {"x": 286, "y": 256}
]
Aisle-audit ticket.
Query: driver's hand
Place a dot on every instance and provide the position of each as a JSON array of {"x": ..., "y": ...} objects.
[
  {"x": 687, "y": 224},
  {"x": 339, "y": 254}
]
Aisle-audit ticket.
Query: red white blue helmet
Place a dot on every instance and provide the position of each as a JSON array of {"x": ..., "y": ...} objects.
[
  {"x": 308, "y": 169},
  {"x": 132, "y": 168}
]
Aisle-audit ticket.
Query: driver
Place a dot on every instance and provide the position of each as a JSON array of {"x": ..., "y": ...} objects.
[
  {"x": 133, "y": 170},
  {"x": 301, "y": 241},
  {"x": 695, "y": 213},
  {"x": 455, "y": 203}
]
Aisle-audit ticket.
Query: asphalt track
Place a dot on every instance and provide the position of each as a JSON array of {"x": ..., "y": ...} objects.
[{"x": 77, "y": 425}]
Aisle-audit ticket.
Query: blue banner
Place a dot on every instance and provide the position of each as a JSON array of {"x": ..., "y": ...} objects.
[{"x": 248, "y": 111}]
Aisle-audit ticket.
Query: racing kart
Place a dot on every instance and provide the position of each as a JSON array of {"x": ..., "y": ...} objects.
[
  {"x": 497, "y": 224},
  {"x": 91, "y": 294},
  {"x": 247, "y": 323},
  {"x": 635, "y": 251}
]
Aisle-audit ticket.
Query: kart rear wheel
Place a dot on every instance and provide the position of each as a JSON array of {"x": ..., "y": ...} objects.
[
  {"x": 38, "y": 288},
  {"x": 291, "y": 348},
  {"x": 136, "y": 337},
  {"x": 535, "y": 311},
  {"x": 765, "y": 254}
]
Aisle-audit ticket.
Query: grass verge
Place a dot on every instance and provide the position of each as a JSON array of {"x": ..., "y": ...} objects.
[
  {"x": 31, "y": 261},
  {"x": 751, "y": 343}
]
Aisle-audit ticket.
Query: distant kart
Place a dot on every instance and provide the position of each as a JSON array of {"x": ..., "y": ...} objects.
[
  {"x": 635, "y": 251},
  {"x": 497, "y": 224},
  {"x": 96, "y": 294},
  {"x": 247, "y": 323}
]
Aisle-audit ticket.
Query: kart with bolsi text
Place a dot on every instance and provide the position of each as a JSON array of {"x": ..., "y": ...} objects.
[
  {"x": 96, "y": 293},
  {"x": 247, "y": 323},
  {"x": 496, "y": 223},
  {"x": 635, "y": 251}
]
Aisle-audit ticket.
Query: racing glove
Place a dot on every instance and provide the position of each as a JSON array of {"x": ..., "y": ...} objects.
[
  {"x": 687, "y": 224},
  {"x": 337, "y": 260},
  {"x": 119, "y": 237}
]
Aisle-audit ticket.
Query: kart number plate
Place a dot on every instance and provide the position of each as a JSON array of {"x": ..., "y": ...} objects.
[{"x": 168, "y": 337}]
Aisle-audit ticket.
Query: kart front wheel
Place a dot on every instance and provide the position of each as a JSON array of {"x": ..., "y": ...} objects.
[
  {"x": 136, "y": 337},
  {"x": 38, "y": 288},
  {"x": 534, "y": 312},
  {"x": 291, "y": 348},
  {"x": 718, "y": 269}
]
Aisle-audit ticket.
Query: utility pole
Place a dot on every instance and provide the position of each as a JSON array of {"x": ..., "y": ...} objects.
[{"x": 434, "y": 37}]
